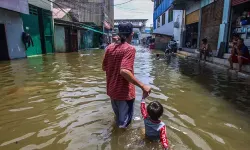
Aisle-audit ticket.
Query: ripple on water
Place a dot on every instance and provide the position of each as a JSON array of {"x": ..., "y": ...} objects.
[
  {"x": 40, "y": 146},
  {"x": 20, "y": 109},
  {"x": 188, "y": 119},
  {"x": 215, "y": 137},
  {"x": 18, "y": 139},
  {"x": 37, "y": 101}
]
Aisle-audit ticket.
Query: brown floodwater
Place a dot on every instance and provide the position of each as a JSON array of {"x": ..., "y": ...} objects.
[{"x": 59, "y": 101}]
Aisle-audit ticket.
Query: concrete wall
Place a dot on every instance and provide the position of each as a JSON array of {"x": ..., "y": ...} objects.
[
  {"x": 15, "y": 5},
  {"x": 42, "y": 4},
  {"x": 178, "y": 14},
  {"x": 59, "y": 38},
  {"x": 14, "y": 29}
]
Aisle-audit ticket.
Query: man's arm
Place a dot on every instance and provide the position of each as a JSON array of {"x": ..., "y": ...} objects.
[
  {"x": 239, "y": 51},
  {"x": 143, "y": 109},
  {"x": 130, "y": 78},
  {"x": 127, "y": 66},
  {"x": 104, "y": 62}
]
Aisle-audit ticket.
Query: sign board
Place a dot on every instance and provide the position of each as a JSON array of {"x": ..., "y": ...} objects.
[{"x": 20, "y": 6}]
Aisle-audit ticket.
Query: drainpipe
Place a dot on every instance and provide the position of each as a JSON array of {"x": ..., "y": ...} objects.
[
  {"x": 228, "y": 22},
  {"x": 183, "y": 25},
  {"x": 199, "y": 28}
]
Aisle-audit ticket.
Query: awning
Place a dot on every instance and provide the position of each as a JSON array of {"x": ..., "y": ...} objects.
[
  {"x": 77, "y": 25},
  {"x": 193, "y": 17},
  {"x": 237, "y": 2}
]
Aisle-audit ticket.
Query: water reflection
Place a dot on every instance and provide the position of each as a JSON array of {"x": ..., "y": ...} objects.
[{"x": 59, "y": 102}]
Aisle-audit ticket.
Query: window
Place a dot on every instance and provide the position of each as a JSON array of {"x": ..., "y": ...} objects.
[
  {"x": 163, "y": 18},
  {"x": 158, "y": 3},
  {"x": 170, "y": 15},
  {"x": 158, "y": 22}
]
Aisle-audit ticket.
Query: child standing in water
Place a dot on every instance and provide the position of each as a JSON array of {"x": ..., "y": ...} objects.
[{"x": 155, "y": 129}]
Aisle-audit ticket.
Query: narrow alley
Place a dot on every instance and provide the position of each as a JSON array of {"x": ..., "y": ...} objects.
[{"x": 59, "y": 102}]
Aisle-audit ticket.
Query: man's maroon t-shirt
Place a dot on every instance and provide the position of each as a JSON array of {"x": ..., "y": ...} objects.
[{"x": 117, "y": 57}]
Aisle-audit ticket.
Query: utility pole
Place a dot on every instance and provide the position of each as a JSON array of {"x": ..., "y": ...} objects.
[{"x": 103, "y": 19}]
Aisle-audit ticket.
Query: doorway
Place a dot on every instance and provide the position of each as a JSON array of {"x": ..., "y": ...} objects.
[
  {"x": 4, "y": 53},
  {"x": 74, "y": 42}
]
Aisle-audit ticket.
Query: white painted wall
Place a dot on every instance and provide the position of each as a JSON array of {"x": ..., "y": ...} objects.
[
  {"x": 42, "y": 4},
  {"x": 14, "y": 29},
  {"x": 167, "y": 28}
]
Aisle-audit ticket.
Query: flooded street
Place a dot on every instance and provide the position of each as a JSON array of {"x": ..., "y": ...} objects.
[{"x": 59, "y": 102}]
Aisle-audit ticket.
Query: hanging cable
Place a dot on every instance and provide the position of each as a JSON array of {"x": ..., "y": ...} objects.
[
  {"x": 83, "y": 25},
  {"x": 123, "y": 3}
]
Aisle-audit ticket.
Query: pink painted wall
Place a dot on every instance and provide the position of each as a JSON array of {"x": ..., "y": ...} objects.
[{"x": 15, "y": 5}]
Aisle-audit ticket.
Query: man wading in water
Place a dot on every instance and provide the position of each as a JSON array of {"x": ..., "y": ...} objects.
[{"x": 118, "y": 63}]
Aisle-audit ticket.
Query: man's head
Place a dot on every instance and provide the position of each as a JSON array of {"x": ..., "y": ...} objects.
[
  {"x": 240, "y": 42},
  {"x": 125, "y": 32},
  {"x": 204, "y": 41},
  {"x": 155, "y": 110}
]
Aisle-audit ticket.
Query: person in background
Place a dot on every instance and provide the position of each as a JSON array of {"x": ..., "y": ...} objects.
[
  {"x": 234, "y": 40},
  {"x": 118, "y": 63},
  {"x": 233, "y": 44},
  {"x": 155, "y": 129},
  {"x": 239, "y": 54},
  {"x": 205, "y": 49},
  {"x": 157, "y": 56}
]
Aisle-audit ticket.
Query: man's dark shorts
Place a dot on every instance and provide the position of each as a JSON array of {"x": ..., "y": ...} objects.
[{"x": 123, "y": 110}]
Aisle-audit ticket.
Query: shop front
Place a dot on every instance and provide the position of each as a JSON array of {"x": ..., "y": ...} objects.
[
  {"x": 191, "y": 34},
  {"x": 241, "y": 20},
  {"x": 211, "y": 20}
]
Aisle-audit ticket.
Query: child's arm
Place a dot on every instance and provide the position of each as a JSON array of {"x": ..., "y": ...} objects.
[
  {"x": 163, "y": 137},
  {"x": 143, "y": 109}
]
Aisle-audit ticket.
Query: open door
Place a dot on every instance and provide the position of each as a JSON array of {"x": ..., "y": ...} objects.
[
  {"x": 4, "y": 53},
  {"x": 74, "y": 41}
]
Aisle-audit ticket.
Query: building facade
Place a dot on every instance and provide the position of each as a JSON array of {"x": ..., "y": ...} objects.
[
  {"x": 91, "y": 22},
  {"x": 39, "y": 25},
  {"x": 11, "y": 29},
  {"x": 139, "y": 26},
  {"x": 239, "y": 20},
  {"x": 215, "y": 20},
  {"x": 167, "y": 23}
]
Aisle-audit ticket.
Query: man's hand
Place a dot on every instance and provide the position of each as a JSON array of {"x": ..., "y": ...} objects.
[
  {"x": 146, "y": 91},
  {"x": 130, "y": 78}
]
